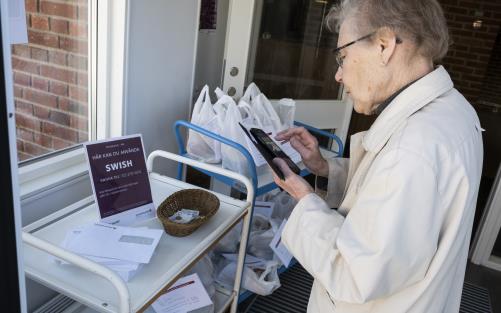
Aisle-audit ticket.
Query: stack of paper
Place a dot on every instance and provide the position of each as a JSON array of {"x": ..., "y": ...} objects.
[
  {"x": 122, "y": 249},
  {"x": 187, "y": 295}
]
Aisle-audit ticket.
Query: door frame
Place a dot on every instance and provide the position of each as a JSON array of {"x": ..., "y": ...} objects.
[
  {"x": 13, "y": 279},
  {"x": 240, "y": 51},
  {"x": 489, "y": 228}
]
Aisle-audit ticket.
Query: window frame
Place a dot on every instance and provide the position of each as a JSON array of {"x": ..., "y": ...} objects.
[{"x": 106, "y": 94}]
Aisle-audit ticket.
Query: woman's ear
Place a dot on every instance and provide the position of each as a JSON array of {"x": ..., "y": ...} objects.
[{"x": 387, "y": 41}]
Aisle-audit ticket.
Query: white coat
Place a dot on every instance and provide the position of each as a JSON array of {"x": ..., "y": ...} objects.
[{"x": 399, "y": 241}]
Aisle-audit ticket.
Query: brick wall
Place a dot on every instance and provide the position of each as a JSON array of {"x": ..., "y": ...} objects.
[
  {"x": 469, "y": 57},
  {"x": 50, "y": 77}
]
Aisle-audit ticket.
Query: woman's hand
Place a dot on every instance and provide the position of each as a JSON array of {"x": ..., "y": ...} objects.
[
  {"x": 307, "y": 146},
  {"x": 294, "y": 184}
]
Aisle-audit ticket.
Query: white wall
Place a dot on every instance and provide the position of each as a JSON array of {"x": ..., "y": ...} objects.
[
  {"x": 210, "y": 52},
  {"x": 160, "y": 66},
  {"x": 161, "y": 52}
]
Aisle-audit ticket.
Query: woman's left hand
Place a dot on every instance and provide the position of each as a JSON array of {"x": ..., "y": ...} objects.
[{"x": 294, "y": 184}]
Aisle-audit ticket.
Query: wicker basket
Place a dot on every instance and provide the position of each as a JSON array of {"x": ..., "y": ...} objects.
[{"x": 194, "y": 199}]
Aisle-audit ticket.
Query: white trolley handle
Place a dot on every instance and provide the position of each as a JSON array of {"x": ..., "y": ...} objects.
[
  {"x": 205, "y": 166},
  {"x": 114, "y": 279}
]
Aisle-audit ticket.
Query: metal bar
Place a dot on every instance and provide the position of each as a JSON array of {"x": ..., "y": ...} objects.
[{"x": 112, "y": 277}]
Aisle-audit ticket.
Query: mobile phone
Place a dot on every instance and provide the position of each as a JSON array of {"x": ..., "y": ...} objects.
[{"x": 270, "y": 150}]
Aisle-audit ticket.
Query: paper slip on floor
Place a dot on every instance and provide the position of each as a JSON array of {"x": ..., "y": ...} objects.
[
  {"x": 115, "y": 242},
  {"x": 185, "y": 296}
]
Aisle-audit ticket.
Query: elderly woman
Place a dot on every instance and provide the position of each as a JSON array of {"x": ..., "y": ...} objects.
[{"x": 406, "y": 197}]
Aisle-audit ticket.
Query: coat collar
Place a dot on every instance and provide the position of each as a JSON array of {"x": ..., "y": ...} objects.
[{"x": 412, "y": 99}]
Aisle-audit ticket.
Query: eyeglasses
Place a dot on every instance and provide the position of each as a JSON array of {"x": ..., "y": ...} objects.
[{"x": 336, "y": 51}]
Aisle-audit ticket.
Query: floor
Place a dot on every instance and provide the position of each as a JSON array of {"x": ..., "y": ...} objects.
[
  {"x": 475, "y": 274},
  {"x": 490, "y": 279}
]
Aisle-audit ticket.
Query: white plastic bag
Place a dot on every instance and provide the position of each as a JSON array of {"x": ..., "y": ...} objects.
[
  {"x": 261, "y": 234},
  {"x": 199, "y": 146},
  {"x": 205, "y": 270},
  {"x": 284, "y": 204},
  {"x": 232, "y": 158},
  {"x": 260, "y": 281},
  {"x": 286, "y": 110}
]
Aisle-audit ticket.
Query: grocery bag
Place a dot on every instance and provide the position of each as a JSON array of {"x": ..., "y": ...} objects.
[
  {"x": 199, "y": 146},
  {"x": 262, "y": 281}
]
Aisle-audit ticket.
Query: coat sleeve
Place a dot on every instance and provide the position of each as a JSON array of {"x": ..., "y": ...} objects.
[
  {"x": 385, "y": 243},
  {"x": 336, "y": 182}
]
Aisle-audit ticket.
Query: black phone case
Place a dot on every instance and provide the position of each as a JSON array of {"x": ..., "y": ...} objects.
[{"x": 255, "y": 136}]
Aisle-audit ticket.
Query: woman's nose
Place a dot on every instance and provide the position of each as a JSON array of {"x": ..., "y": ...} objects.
[{"x": 339, "y": 75}]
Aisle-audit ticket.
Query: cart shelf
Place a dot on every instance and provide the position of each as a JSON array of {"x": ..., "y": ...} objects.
[{"x": 96, "y": 286}]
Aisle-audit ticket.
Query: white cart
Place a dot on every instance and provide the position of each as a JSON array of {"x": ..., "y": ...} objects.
[{"x": 103, "y": 290}]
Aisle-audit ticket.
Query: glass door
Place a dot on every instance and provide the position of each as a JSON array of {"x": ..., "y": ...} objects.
[{"x": 284, "y": 47}]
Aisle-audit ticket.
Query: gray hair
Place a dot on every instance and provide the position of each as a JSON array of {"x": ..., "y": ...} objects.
[{"x": 421, "y": 21}]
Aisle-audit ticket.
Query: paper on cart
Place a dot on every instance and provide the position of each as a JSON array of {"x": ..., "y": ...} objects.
[
  {"x": 186, "y": 295},
  {"x": 116, "y": 242},
  {"x": 279, "y": 248}
]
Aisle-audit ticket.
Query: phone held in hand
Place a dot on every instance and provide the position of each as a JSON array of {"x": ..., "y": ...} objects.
[{"x": 270, "y": 150}]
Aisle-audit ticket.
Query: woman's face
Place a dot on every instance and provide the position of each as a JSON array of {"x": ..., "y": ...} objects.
[{"x": 361, "y": 71}]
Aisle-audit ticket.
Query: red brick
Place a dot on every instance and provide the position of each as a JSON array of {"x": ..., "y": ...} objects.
[
  {"x": 40, "y": 83},
  {"x": 83, "y": 13},
  {"x": 20, "y": 145},
  {"x": 24, "y": 134},
  {"x": 39, "y": 22},
  {"x": 18, "y": 91},
  {"x": 61, "y": 118},
  {"x": 23, "y": 107},
  {"x": 21, "y": 50},
  {"x": 31, "y": 6},
  {"x": 61, "y": 144},
  {"x": 22, "y": 79},
  {"x": 59, "y": 26},
  {"x": 80, "y": 123},
  {"x": 25, "y": 66},
  {"x": 60, "y": 74},
  {"x": 42, "y": 140},
  {"x": 43, "y": 39},
  {"x": 78, "y": 62},
  {"x": 83, "y": 136},
  {"x": 58, "y": 9},
  {"x": 40, "y": 98},
  {"x": 23, "y": 156},
  {"x": 72, "y": 45},
  {"x": 59, "y": 58},
  {"x": 34, "y": 149},
  {"x": 78, "y": 94},
  {"x": 39, "y": 54},
  {"x": 78, "y": 29},
  {"x": 59, "y": 131},
  {"x": 82, "y": 79},
  {"x": 58, "y": 88},
  {"x": 41, "y": 112},
  {"x": 73, "y": 106},
  {"x": 28, "y": 122}
]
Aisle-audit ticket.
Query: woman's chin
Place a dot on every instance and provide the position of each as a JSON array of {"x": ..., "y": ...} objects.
[{"x": 362, "y": 107}]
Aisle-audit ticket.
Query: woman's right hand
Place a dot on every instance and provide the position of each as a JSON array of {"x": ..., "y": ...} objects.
[{"x": 307, "y": 146}]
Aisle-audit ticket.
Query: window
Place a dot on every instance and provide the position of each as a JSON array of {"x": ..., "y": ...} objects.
[{"x": 51, "y": 75}]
